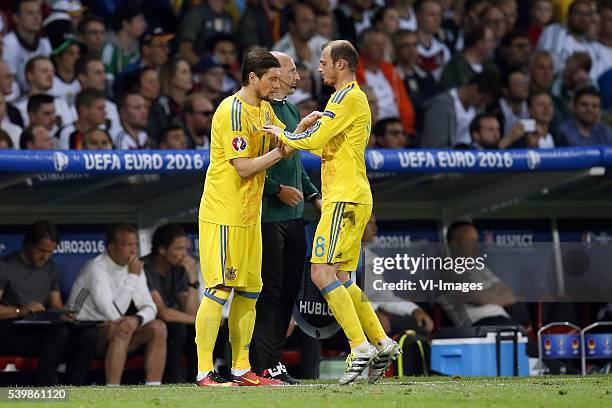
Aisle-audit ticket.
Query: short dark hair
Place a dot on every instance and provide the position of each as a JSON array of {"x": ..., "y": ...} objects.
[
  {"x": 35, "y": 102},
  {"x": 380, "y": 128},
  {"x": 509, "y": 37},
  {"x": 217, "y": 38},
  {"x": 379, "y": 15},
  {"x": 29, "y": 66},
  {"x": 126, "y": 12},
  {"x": 258, "y": 60},
  {"x": 18, "y": 3},
  {"x": 603, "y": 4},
  {"x": 476, "y": 123},
  {"x": 165, "y": 236},
  {"x": 113, "y": 230},
  {"x": 87, "y": 97},
  {"x": 38, "y": 231},
  {"x": 342, "y": 49},
  {"x": 576, "y": 3},
  {"x": 535, "y": 94},
  {"x": 418, "y": 4},
  {"x": 4, "y": 137},
  {"x": 292, "y": 12},
  {"x": 470, "y": 4},
  {"x": 81, "y": 65},
  {"x": 487, "y": 83},
  {"x": 507, "y": 74},
  {"x": 473, "y": 36},
  {"x": 88, "y": 132},
  {"x": 27, "y": 136},
  {"x": 399, "y": 34},
  {"x": 452, "y": 229},
  {"x": 86, "y": 20},
  {"x": 163, "y": 135},
  {"x": 582, "y": 58},
  {"x": 586, "y": 91},
  {"x": 122, "y": 99}
]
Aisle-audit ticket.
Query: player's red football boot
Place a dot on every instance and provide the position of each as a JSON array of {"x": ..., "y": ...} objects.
[
  {"x": 250, "y": 379},
  {"x": 213, "y": 379}
]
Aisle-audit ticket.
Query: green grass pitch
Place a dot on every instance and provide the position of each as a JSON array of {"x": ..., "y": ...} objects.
[{"x": 455, "y": 392}]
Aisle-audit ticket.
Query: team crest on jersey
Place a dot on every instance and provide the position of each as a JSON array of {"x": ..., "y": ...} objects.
[
  {"x": 268, "y": 118},
  {"x": 230, "y": 273},
  {"x": 239, "y": 143}
]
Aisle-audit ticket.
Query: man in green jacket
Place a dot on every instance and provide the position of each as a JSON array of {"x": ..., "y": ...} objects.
[{"x": 284, "y": 243}]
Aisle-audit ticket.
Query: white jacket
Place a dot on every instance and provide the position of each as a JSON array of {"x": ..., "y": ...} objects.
[{"x": 104, "y": 290}]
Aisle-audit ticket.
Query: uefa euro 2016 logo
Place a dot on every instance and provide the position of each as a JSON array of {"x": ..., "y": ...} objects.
[
  {"x": 375, "y": 159},
  {"x": 60, "y": 161},
  {"x": 533, "y": 159}
]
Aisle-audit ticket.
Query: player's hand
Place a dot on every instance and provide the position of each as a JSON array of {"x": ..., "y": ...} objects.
[
  {"x": 423, "y": 319},
  {"x": 273, "y": 130},
  {"x": 290, "y": 195},
  {"x": 310, "y": 119},
  {"x": 135, "y": 265},
  {"x": 32, "y": 307},
  {"x": 318, "y": 204}
]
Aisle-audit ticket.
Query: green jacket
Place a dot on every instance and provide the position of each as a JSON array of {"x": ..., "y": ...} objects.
[{"x": 288, "y": 172}]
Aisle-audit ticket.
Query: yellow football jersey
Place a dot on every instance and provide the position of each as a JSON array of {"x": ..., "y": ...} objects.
[
  {"x": 340, "y": 137},
  {"x": 228, "y": 199}
]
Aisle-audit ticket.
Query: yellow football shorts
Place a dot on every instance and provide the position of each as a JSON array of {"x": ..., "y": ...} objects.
[
  {"x": 230, "y": 255},
  {"x": 338, "y": 236}
]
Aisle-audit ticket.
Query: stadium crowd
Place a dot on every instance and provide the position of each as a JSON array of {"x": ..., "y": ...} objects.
[{"x": 460, "y": 74}]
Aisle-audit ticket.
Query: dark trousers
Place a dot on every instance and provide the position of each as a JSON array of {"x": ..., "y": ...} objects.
[
  {"x": 79, "y": 353},
  {"x": 47, "y": 342},
  {"x": 181, "y": 340},
  {"x": 284, "y": 249}
]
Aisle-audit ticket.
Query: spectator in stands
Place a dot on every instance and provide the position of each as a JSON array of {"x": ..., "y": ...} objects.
[
  {"x": 8, "y": 86},
  {"x": 90, "y": 106},
  {"x": 5, "y": 140},
  {"x": 176, "y": 82},
  {"x": 585, "y": 128},
  {"x": 541, "y": 76},
  {"x": 475, "y": 58},
  {"x": 66, "y": 51},
  {"x": 39, "y": 72},
  {"x": 396, "y": 314},
  {"x": 448, "y": 115},
  {"x": 97, "y": 139},
  {"x": 210, "y": 79},
  {"x": 92, "y": 33},
  {"x": 104, "y": 290},
  {"x": 41, "y": 112},
  {"x": 389, "y": 134},
  {"x": 121, "y": 48},
  {"x": 30, "y": 283},
  {"x": 147, "y": 84},
  {"x": 541, "y": 109},
  {"x": 602, "y": 49},
  {"x": 540, "y": 14},
  {"x": 494, "y": 18},
  {"x": 373, "y": 102},
  {"x": 481, "y": 308},
  {"x": 172, "y": 278},
  {"x": 305, "y": 85},
  {"x": 223, "y": 49},
  {"x": 407, "y": 18},
  {"x": 485, "y": 132},
  {"x": 134, "y": 114},
  {"x": 89, "y": 71},
  {"x": 382, "y": 76},
  {"x": 301, "y": 42},
  {"x": 352, "y": 17},
  {"x": 25, "y": 42},
  {"x": 514, "y": 51},
  {"x": 324, "y": 25},
  {"x": 64, "y": 11},
  {"x": 574, "y": 76},
  {"x": 433, "y": 54},
  {"x": 419, "y": 84},
  {"x": 172, "y": 137},
  {"x": 386, "y": 19},
  {"x": 36, "y": 137},
  {"x": 512, "y": 106},
  {"x": 562, "y": 41},
  {"x": 198, "y": 120},
  {"x": 200, "y": 22},
  {"x": 454, "y": 30},
  {"x": 11, "y": 129},
  {"x": 262, "y": 24}
]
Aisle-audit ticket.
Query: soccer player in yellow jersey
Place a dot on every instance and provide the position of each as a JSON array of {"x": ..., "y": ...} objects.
[
  {"x": 340, "y": 137},
  {"x": 229, "y": 217}
]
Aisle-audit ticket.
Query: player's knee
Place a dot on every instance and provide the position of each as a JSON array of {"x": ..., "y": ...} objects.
[{"x": 320, "y": 275}]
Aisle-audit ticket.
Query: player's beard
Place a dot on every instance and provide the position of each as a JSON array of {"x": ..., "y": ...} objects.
[{"x": 267, "y": 98}]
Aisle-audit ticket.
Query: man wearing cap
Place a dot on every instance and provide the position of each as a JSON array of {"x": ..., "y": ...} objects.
[
  {"x": 286, "y": 188},
  {"x": 65, "y": 10},
  {"x": 24, "y": 42},
  {"x": 66, "y": 52},
  {"x": 211, "y": 75}
]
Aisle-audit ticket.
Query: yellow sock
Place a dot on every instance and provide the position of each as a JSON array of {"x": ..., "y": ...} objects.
[
  {"x": 241, "y": 324},
  {"x": 339, "y": 301},
  {"x": 207, "y": 325},
  {"x": 367, "y": 317}
]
